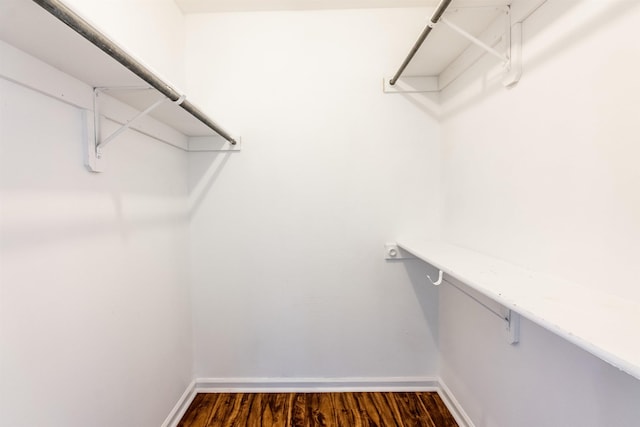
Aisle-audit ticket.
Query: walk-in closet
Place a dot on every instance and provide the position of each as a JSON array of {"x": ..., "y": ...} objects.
[{"x": 319, "y": 213}]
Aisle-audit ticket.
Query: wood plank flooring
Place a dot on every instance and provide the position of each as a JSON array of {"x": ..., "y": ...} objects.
[{"x": 423, "y": 409}]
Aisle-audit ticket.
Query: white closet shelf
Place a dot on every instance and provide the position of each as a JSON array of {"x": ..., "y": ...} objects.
[
  {"x": 456, "y": 36},
  {"x": 35, "y": 31},
  {"x": 602, "y": 324}
]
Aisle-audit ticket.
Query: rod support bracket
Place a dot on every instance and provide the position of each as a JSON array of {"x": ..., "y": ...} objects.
[
  {"x": 513, "y": 327},
  {"x": 95, "y": 142},
  {"x": 393, "y": 252},
  {"x": 514, "y": 66}
]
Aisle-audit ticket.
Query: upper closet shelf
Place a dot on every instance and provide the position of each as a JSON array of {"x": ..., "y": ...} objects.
[
  {"x": 54, "y": 34},
  {"x": 600, "y": 323},
  {"x": 457, "y": 35}
]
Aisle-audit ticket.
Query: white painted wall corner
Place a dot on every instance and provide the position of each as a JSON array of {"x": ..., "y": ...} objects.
[
  {"x": 453, "y": 405},
  {"x": 181, "y": 406}
]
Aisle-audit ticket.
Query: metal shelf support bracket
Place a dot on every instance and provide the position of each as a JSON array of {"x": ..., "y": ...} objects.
[
  {"x": 95, "y": 142},
  {"x": 504, "y": 58},
  {"x": 514, "y": 67},
  {"x": 511, "y": 59},
  {"x": 513, "y": 327}
]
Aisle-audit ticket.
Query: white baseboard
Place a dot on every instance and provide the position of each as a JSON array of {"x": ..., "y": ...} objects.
[
  {"x": 181, "y": 406},
  {"x": 310, "y": 385},
  {"x": 317, "y": 385},
  {"x": 453, "y": 405}
]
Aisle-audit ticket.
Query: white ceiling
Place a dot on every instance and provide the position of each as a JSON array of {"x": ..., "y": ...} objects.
[{"x": 198, "y": 6}]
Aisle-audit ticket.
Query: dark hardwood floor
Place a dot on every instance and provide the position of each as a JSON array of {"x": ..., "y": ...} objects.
[{"x": 424, "y": 409}]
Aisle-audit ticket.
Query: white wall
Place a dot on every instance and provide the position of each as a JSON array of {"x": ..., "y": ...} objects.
[
  {"x": 285, "y": 249},
  {"x": 287, "y": 236},
  {"x": 545, "y": 175},
  {"x": 95, "y": 325}
]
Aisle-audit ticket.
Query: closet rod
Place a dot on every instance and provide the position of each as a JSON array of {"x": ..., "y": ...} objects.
[
  {"x": 82, "y": 27},
  {"x": 432, "y": 22}
]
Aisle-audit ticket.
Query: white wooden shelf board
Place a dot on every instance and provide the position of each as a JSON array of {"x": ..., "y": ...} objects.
[
  {"x": 445, "y": 54},
  {"x": 30, "y": 28},
  {"x": 602, "y": 324}
]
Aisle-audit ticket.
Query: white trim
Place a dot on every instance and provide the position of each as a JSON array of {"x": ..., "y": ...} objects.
[
  {"x": 181, "y": 406},
  {"x": 453, "y": 405},
  {"x": 318, "y": 385},
  {"x": 293, "y": 385}
]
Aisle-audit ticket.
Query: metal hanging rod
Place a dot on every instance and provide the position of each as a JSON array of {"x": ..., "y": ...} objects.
[
  {"x": 82, "y": 27},
  {"x": 511, "y": 318},
  {"x": 442, "y": 7}
]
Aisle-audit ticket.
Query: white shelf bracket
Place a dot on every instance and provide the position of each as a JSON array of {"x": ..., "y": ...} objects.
[
  {"x": 511, "y": 59},
  {"x": 504, "y": 58},
  {"x": 513, "y": 327},
  {"x": 95, "y": 142},
  {"x": 514, "y": 68}
]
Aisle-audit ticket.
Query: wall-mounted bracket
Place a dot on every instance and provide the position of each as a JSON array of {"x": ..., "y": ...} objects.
[
  {"x": 514, "y": 67},
  {"x": 513, "y": 327},
  {"x": 503, "y": 57},
  {"x": 95, "y": 142},
  {"x": 105, "y": 107}
]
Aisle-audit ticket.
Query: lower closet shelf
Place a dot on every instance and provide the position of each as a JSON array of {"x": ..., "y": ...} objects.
[{"x": 602, "y": 324}]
